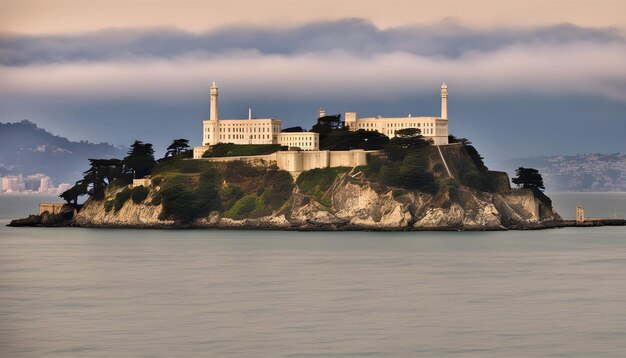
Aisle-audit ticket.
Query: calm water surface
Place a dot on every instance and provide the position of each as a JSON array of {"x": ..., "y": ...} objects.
[{"x": 148, "y": 293}]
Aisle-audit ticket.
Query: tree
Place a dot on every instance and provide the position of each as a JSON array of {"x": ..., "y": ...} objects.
[
  {"x": 414, "y": 173},
  {"x": 327, "y": 124},
  {"x": 408, "y": 132},
  {"x": 293, "y": 129},
  {"x": 140, "y": 160},
  {"x": 473, "y": 153},
  {"x": 101, "y": 173},
  {"x": 177, "y": 147},
  {"x": 71, "y": 195},
  {"x": 405, "y": 141},
  {"x": 343, "y": 139},
  {"x": 528, "y": 178}
]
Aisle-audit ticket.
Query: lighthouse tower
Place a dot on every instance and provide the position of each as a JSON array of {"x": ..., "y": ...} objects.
[
  {"x": 212, "y": 131},
  {"x": 444, "y": 101}
]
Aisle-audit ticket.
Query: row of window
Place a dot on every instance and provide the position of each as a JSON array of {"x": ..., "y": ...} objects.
[
  {"x": 394, "y": 125},
  {"x": 241, "y": 136},
  {"x": 241, "y": 130}
]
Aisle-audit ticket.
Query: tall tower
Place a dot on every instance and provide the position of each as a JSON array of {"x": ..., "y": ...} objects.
[
  {"x": 213, "y": 123},
  {"x": 444, "y": 101},
  {"x": 213, "y": 92}
]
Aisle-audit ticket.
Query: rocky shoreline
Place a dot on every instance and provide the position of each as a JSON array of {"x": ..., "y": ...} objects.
[{"x": 350, "y": 205}]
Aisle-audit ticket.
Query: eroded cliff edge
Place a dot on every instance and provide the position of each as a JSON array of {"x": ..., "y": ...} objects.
[
  {"x": 429, "y": 188},
  {"x": 353, "y": 204}
]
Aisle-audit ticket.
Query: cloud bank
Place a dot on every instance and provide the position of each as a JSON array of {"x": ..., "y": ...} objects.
[{"x": 351, "y": 57}]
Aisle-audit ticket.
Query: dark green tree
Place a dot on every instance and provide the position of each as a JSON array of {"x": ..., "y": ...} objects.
[
  {"x": 528, "y": 178},
  {"x": 473, "y": 153},
  {"x": 177, "y": 147},
  {"x": 414, "y": 173},
  {"x": 327, "y": 124},
  {"x": 343, "y": 139},
  {"x": 71, "y": 195},
  {"x": 140, "y": 160},
  {"x": 406, "y": 140},
  {"x": 293, "y": 129},
  {"x": 101, "y": 173}
]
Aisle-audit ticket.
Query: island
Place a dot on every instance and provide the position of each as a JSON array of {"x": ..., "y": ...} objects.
[{"x": 375, "y": 173}]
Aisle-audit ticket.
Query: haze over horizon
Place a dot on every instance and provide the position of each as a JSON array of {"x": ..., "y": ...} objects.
[{"x": 524, "y": 79}]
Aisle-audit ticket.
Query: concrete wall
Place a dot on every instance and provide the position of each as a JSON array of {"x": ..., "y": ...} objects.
[
  {"x": 299, "y": 161},
  {"x": 50, "y": 208},
  {"x": 198, "y": 151},
  {"x": 141, "y": 182}
]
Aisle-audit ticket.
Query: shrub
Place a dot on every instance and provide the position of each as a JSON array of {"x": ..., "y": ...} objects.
[
  {"x": 182, "y": 166},
  {"x": 278, "y": 188},
  {"x": 237, "y": 150},
  {"x": 120, "y": 182},
  {"x": 374, "y": 164},
  {"x": 414, "y": 173},
  {"x": 230, "y": 195},
  {"x": 139, "y": 194},
  {"x": 389, "y": 174},
  {"x": 439, "y": 168},
  {"x": 121, "y": 198},
  {"x": 183, "y": 201},
  {"x": 317, "y": 181},
  {"x": 156, "y": 199},
  {"x": 237, "y": 169},
  {"x": 244, "y": 207},
  {"x": 108, "y": 205},
  {"x": 156, "y": 181}
]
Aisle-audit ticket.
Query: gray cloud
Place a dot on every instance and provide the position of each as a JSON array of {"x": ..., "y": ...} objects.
[{"x": 356, "y": 36}]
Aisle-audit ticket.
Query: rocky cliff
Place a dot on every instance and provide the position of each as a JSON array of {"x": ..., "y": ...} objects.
[{"x": 354, "y": 204}]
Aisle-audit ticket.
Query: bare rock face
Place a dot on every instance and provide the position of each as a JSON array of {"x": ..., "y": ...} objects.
[
  {"x": 94, "y": 213},
  {"x": 360, "y": 206},
  {"x": 352, "y": 204}
]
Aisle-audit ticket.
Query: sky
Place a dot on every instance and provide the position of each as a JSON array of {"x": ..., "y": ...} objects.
[{"x": 525, "y": 78}]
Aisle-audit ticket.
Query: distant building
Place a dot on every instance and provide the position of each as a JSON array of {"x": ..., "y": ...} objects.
[
  {"x": 36, "y": 183},
  {"x": 268, "y": 130},
  {"x": 250, "y": 131},
  {"x": 435, "y": 128},
  {"x": 13, "y": 184},
  {"x": 45, "y": 184},
  {"x": 580, "y": 214}
]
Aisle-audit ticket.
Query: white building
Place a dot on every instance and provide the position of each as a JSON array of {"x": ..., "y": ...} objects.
[
  {"x": 435, "y": 128},
  {"x": 268, "y": 130},
  {"x": 249, "y": 131}
]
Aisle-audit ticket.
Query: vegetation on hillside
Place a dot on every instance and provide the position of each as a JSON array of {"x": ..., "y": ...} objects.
[
  {"x": 316, "y": 182},
  {"x": 191, "y": 189},
  {"x": 239, "y": 150},
  {"x": 405, "y": 163},
  {"x": 109, "y": 173}
]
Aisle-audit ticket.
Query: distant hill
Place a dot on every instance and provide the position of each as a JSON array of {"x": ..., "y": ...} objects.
[
  {"x": 27, "y": 149},
  {"x": 582, "y": 172}
]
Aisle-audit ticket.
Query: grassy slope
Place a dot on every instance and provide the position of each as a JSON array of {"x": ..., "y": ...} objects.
[
  {"x": 234, "y": 188},
  {"x": 238, "y": 150}
]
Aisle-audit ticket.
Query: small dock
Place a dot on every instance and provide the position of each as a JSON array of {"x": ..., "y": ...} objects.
[{"x": 593, "y": 222}]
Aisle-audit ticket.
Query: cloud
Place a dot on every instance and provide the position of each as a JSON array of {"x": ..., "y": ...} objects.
[
  {"x": 356, "y": 36},
  {"x": 577, "y": 68},
  {"x": 348, "y": 58}
]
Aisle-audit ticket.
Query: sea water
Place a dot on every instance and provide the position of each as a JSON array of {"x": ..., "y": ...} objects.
[{"x": 70, "y": 292}]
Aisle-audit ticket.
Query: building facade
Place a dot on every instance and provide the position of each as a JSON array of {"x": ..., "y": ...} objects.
[
  {"x": 435, "y": 128},
  {"x": 251, "y": 131},
  {"x": 269, "y": 130}
]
